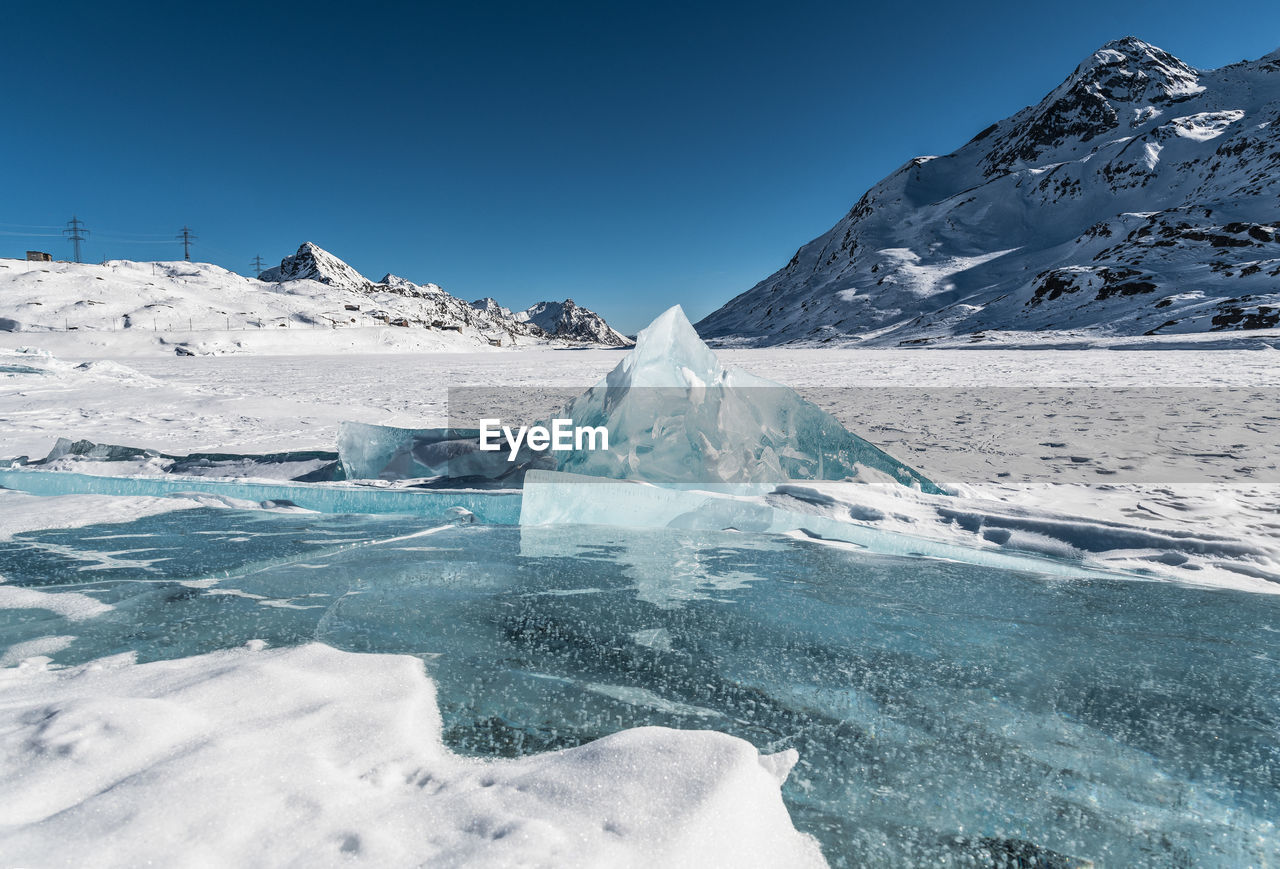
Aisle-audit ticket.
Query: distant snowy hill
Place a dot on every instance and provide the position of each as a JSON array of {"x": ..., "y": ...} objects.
[
  {"x": 200, "y": 307},
  {"x": 571, "y": 322},
  {"x": 1140, "y": 197}
]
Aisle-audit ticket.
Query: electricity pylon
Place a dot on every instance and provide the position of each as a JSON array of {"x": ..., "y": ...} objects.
[
  {"x": 186, "y": 237},
  {"x": 76, "y": 232}
]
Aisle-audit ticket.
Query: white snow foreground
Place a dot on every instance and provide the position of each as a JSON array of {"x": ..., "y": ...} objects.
[{"x": 312, "y": 756}]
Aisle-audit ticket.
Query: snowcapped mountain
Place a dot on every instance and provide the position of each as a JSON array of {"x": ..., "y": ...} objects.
[
  {"x": 558, "y": 320},
  {"x": 571, "y": 322},
  {"x": 490, "y": 306},
  {"x": 1140, "y": 197},
  {"x": 311, "y": 263},
  {"x": 184, "y": 303}
]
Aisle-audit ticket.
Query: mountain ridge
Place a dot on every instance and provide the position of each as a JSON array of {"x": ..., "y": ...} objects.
[
  {"x": 1137, "y": 197},
  {"x": 569, "y": 320},
  {"x": 315, "y": 301},
  {"x": 443, "y": 310}
]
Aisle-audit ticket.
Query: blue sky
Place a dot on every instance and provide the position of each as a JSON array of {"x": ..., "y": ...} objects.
[{"x": 628, "y": 155}]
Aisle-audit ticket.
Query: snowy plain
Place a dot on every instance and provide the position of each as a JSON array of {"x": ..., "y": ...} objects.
[{"x": 1214, "y": 518}]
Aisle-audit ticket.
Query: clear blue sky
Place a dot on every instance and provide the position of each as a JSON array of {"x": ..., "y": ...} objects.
[{"x": 629, "y": 155}]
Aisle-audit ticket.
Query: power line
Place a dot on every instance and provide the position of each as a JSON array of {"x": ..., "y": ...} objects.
[
  {"x": 76, "y": 232},
  {"x": 204, "y": 245},
  {"x": 135, "y": 236},
  {"x": 258, "y": 264},
  {"x": 186, "y": 237}
]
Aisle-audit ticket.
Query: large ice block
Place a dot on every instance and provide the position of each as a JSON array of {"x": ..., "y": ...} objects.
[
  {"x": 84, "y": 456},
  {"x": 675, "y": 415},
  {"x": 449, "y": 456},
  {"x": 499, "y": 508},
  {"x": 554, "y": 498}
]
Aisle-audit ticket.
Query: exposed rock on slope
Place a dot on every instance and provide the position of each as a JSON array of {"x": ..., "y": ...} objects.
[
  {"x": 571, "y": 322},
  {"x": 1141, "y": 196},
  {"x": 439, "y": 309},
  {"x": 311, "y": 263}
]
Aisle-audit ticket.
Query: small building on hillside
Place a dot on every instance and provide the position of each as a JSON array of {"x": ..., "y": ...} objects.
[{"x": 39, "y": 256}]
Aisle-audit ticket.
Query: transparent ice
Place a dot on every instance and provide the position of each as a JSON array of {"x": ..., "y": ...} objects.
[
  {"x": 945, "y": 714},
  {"x": 447, "y": 456},
  {"x": 499, "y": 507},
  {"x": 548, "y": 498},
  {"x": 551, "y": 498},
  {"x": 676, "y": 415}
]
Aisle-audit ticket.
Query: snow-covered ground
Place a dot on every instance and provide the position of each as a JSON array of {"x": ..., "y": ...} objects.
[
  {"x": 263, "y": 403},
  {"x": 319, "y": 305},
  {"x": 82, "y": 750},
  {"x": 103, "y": 753}
]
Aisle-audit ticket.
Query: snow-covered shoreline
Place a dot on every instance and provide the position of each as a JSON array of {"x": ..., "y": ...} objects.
[{"x": 272, "y": 403}]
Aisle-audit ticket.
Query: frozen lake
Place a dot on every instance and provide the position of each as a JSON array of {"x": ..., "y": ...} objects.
[
  {"x": 944, "y": 714},
  {"x": 1083, "y": 668}
]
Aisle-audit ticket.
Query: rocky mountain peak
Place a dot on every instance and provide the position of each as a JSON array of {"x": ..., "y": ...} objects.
[
  {"x": 314, "y": 263},
  {"x": 436, "y": 309},
  {"x": 489, "y": 305},
  {"x": 1129, "y": 69},
  {"x": 1130, "y": 56},
  {"x": 1139, "y": 196},
  {"x": 569, "y": 320}
]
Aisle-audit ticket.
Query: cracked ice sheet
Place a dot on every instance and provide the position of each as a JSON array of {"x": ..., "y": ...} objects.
[
  {"x": 164, "y": 763},
  {"x": 1202, "y": 535},
  {"x": 21, "y": 512},
  {"x": 970, "y": 526}
]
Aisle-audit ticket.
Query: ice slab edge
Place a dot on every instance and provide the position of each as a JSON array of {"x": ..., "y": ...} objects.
[
  {"x": 556, "y": 498},
  {"x": 451, "y": 455},
  {"x": 494, "y": 508}
]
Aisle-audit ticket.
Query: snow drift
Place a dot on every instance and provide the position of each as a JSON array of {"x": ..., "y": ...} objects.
[{"x": 313, "y": 756}]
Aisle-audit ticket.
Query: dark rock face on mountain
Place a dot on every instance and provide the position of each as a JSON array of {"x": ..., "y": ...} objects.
[
  {"x": 311, "y": 263},
  {"x": 432, "y": 307},
  {"x": 572, "y": 322},
  {"x": 1141, "y": 196}
]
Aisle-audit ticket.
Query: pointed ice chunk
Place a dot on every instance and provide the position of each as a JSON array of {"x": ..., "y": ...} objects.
[
  {"x": 675, "y": 415},
  {"x": 668, "y": 353}
]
